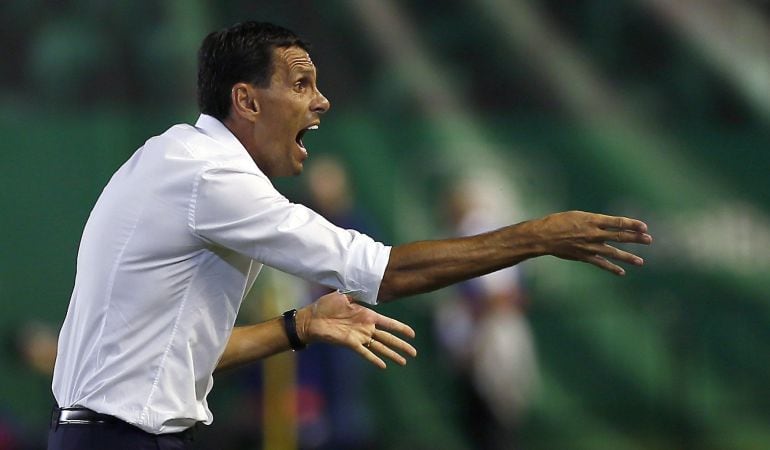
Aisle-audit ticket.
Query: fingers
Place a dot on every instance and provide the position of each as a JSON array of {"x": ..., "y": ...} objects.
[
  {"x": 603, "y": 263},
  {"x": 386, "y": 345},
  {"x": 367, "y": 351},
  {"x": 623, "y": 229},
  {"x": 387, "y": 352},
  {"x": 621, "y": 223},
  {"x": 625, "y": 236},
  {"x": 588, "y": 235},
  {"x": 609, "y": 251},
  {"x": 390, "y": 341},
  {"x": 385, "y": 322},
  {"x": 369, "y": 356},
  {"x": 598, "y": 255}
]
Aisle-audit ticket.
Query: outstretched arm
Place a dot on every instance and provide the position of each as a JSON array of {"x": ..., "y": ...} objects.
[
  {"x": 333, "y": 318},
  {"x": 575, "y": 235}
]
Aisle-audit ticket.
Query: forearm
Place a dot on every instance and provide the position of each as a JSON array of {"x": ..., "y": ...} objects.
[
  {"x": 573, "y": 235},
  {"x": 334, "y": 319},
  {"x": 428, "y": 265},
  {"x": 254, "y": 342}
]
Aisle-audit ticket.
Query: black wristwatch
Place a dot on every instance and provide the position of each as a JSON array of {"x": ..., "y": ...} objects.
[{"x": 290, "y": 326}]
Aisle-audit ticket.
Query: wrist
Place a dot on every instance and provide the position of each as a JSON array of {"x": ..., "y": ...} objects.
[
  {"x": 529, "y": 241},
  {"x": 290, "y": 325},
  {"x": 303, "y": 318}
]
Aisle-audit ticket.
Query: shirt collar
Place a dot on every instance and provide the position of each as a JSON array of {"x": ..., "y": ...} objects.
[{"x": 215, "y": 129}]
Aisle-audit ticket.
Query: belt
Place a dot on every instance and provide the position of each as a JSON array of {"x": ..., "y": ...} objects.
[
  {"x": 81, "y": 416},
  {"x": 77, "y": 415}
]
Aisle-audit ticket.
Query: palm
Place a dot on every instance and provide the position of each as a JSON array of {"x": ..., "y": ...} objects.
[{"x": 336, "y": 319}]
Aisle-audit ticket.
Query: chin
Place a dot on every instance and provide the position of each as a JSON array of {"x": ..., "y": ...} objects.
[
  {"x": 293, "y": 172},
  {"x": 297, "y": 168}
]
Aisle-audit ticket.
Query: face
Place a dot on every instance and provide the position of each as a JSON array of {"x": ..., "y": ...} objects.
[{"x": 288, "y": 108}]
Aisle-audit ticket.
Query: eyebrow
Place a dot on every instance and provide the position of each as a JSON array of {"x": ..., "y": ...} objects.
[{"x": 302, "y": 69}]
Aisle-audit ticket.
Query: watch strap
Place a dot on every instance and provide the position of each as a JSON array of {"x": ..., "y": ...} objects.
[{"x": 290, "y": 326}]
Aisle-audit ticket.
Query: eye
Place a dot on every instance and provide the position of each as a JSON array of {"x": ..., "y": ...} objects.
[{"x": 301, "y": 84}]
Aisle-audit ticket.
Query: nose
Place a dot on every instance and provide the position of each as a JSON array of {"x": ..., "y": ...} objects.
[{"x": 320, "y": 104}]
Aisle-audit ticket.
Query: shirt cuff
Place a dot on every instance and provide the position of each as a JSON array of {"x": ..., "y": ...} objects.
[{"x": 365, "y": 272}]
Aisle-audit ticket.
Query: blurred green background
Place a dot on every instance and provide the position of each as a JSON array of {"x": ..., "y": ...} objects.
[{"x": 657, "y": 109}]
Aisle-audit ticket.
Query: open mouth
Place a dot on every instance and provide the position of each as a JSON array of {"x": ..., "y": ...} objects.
[{"x": 301, "y": 134}]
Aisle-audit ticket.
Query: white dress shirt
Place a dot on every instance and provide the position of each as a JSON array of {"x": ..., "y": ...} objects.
[{"x": 170, "y": 249}]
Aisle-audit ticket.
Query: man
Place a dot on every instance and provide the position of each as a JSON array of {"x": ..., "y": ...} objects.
[{"x": 180, "y": 232}]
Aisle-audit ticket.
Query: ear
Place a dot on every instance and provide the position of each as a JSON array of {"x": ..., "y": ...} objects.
[{"x": 244, "y": 102}]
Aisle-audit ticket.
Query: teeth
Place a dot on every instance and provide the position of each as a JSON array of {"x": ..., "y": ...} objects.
[{"x": 314, "y": 127}]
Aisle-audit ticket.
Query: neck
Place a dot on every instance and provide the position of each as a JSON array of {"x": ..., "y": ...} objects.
[{"x": 242, "y": 131}]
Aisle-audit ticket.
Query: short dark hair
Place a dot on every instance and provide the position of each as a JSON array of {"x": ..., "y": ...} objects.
[{"x": 241, "y": 53}]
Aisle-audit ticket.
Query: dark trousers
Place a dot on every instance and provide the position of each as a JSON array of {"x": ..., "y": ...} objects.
[{"x": 116, "y": 435}]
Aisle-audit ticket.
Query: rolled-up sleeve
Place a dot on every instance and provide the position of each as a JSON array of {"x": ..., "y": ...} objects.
[{"x": 242, "y": 211}]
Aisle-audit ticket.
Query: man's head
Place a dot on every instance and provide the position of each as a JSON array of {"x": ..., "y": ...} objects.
[
  {"x": 243, "y": 52},
  {"x": 258, "y": 79}
]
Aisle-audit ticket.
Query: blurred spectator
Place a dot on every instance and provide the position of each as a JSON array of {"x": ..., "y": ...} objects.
[
  {"x": 33, "y": 345},
  {"x": 332, "y": 401},
  {"x": 484, "y": 330},
  {"x": 36, "y": 345}
]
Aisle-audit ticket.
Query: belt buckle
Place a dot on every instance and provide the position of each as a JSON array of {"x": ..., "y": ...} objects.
[{"x": 79, "y": 416}]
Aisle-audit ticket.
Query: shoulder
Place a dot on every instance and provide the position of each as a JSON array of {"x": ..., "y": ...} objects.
[{"x": 188, "y": 145}]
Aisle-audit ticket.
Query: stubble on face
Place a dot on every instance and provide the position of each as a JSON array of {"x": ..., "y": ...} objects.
[{"x": 286, "y": 110}]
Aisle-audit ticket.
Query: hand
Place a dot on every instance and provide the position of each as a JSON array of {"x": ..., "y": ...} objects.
[
  {"x": 336, "y": 319},
  {"x": 582, "y": 236}
]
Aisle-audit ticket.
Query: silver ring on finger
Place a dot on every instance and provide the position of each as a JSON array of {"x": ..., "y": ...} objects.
[{"x": 369, "y": 344}]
